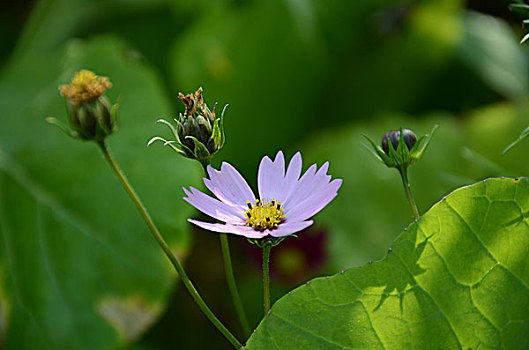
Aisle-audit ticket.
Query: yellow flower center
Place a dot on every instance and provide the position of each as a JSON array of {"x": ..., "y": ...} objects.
[
  {"x": 264, "y": 214},
  {"x": 85, "y": 86}
]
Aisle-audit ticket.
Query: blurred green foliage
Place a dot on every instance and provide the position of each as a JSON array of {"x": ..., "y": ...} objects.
[
  {"x": 298, "y": 75},
  {"x": 78, "y": 264}
]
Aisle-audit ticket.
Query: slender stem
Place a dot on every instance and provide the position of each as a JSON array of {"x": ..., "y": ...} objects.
[
  {"x": 158, "y": 237},
  {"x": 266, "y": 276},
  {"x": 230, "y": 276},
  {"x": 409, "y": 196}
]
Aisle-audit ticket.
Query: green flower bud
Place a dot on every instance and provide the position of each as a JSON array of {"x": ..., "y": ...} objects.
[
  {"x": 204, "y": 129},
  {"x": 90, "y": 114},
  {"x": 409, "y": 139},
  {"x": 199, "y": 133},
  {"x": 401, "y": 152}
]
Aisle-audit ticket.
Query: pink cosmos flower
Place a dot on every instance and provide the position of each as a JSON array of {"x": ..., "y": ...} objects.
[{"x": 285, "y": 200}]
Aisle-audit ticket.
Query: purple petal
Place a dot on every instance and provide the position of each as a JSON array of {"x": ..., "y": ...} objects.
[
  {"x": 291, "y": 177},
  {"x": 309, "y": 184},
  {"x": 313, "y": 185},
  {"x": 229, "y": 186},
  {"x": 270, "y": 176},
  {"x": 213, "y": 207},
  {"x": 314, "y": 203},
  {"x": 239, "y": 230},
  {"x": 289, "y": 228},
  {"x": 302, "y": 188}
]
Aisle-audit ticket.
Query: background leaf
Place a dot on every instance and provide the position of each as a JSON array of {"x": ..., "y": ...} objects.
[
  {"x": 458, "y": 278},
  {"x": 79, "y": 268},
  {"x": 488, "y": 50}
]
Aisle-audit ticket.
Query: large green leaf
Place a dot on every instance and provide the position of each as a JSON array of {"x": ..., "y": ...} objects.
[
  {"x": 78, "y": 267},
  {"x": 458, "y": 278}
]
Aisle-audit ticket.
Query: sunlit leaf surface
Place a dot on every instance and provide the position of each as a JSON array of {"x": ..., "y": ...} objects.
[{"x": 458, "y": 278}]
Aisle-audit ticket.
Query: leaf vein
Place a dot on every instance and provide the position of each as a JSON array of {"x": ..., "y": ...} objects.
[
  {"x": 419, "y": 286},
  {"x": 486, "y": 248},
  {"x": 306, "y": 330}
]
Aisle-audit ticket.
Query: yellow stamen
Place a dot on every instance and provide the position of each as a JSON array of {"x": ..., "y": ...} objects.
[
  {"x": 85, "y": 86},
  {"x": 264, "y": 214}
]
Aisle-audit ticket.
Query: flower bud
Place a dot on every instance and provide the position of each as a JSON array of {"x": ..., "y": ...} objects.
[
  {"x": 401, "y": 152},
  {"x": 199, "y": 133},
  {"x": 90, "y": 114},
  {"x": 394, "y": 136}
]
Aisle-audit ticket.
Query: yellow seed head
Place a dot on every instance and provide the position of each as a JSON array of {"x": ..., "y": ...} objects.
[
  {"x": 264, "y": 214},
  {"x": 85, "y": 86}
]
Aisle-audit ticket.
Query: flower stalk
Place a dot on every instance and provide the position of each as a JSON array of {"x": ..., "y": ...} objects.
[
  {"x": 91, "y": 117},
  {"x": 230, "y": 276},
  {"x": 400, "y": 150},
  {"x": 267, "y": 247},
  {"x": 407, "y": 189},
  {"x": 165, "y": 247}
]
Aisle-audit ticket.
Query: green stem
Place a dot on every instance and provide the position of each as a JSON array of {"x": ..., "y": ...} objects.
[
  {"x": 409, "y": 196},
  {"x": 230, "y": 276},
  {"x": 266, "y": 276},
  {"x": 158, "y": 237}
]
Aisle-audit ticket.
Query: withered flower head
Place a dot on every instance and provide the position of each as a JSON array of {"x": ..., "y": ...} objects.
[
  {"x": 90, "y": 115},
  {"x": 85, "y": 86}
]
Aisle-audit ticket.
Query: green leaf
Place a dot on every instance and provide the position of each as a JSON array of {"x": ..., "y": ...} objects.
[
  {"x": 78, "y": 266},
  {"x": 458, "y": 278}
]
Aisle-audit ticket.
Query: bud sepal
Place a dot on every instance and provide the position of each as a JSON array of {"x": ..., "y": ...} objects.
[
  {"x": 269, "y": 240},
  {"x": 522, "y": 136}
]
